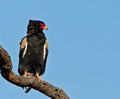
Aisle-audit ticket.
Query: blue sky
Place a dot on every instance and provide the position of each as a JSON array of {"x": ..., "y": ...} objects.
[{"x": 84, "y": 45}]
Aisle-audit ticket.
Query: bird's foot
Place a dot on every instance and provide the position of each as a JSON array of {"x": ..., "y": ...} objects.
[
  {"x": 37, "y": 75},
  {"x": 25, "y": 73}
]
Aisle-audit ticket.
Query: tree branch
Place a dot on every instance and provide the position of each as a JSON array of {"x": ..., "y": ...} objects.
[{"x": 27, "y": 80}]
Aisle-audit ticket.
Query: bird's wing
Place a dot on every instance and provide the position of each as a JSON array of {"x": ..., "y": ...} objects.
[
  {"x": 23, "y": 49},
  {"x": 45, "y": 54}
]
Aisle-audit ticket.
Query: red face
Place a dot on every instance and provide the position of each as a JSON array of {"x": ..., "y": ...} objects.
[{"x": 43, "y": 26}]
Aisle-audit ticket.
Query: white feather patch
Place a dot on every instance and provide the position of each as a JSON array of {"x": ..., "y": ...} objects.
[
  {"x": 44, "y": 50},
  {"x": 25, "y": 50}
]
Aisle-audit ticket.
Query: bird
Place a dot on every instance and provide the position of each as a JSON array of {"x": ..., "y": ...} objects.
[{"x": 33, "y": 50}]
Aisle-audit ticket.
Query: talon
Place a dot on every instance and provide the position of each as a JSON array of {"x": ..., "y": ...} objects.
[
  {"x": 25, "y": 73},
  {"x": 37, "y": 75}
]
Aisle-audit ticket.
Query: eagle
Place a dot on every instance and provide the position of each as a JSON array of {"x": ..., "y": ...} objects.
[{"x": 33, "y": 50}]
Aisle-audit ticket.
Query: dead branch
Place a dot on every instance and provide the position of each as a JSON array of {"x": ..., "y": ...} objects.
[{"x": 27, "y": 80}]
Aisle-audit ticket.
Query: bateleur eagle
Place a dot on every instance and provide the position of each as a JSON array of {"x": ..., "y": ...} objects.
[{"x": 33, "y": 50}]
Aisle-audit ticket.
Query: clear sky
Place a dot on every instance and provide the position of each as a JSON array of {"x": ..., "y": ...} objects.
[{"x": 84, "y": 45}]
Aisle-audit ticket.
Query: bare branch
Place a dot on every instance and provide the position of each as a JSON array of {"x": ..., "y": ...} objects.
[{"x": 27, "y": 80}]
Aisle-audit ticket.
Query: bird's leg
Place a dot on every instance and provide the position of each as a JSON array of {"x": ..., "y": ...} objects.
[{"x": 37, "y": 75}]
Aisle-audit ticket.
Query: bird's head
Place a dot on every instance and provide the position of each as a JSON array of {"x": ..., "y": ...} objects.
[{"x": 36, "y": 26}]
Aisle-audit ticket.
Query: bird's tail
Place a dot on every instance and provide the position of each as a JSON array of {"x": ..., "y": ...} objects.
[{"x": 28, "y": 89}]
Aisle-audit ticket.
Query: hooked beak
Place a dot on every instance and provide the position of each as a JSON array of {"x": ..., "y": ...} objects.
[{"x": 45, "y": 27}]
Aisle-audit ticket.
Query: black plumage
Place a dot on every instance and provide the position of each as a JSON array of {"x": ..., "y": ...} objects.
[{"x": 33, "y": 49}]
